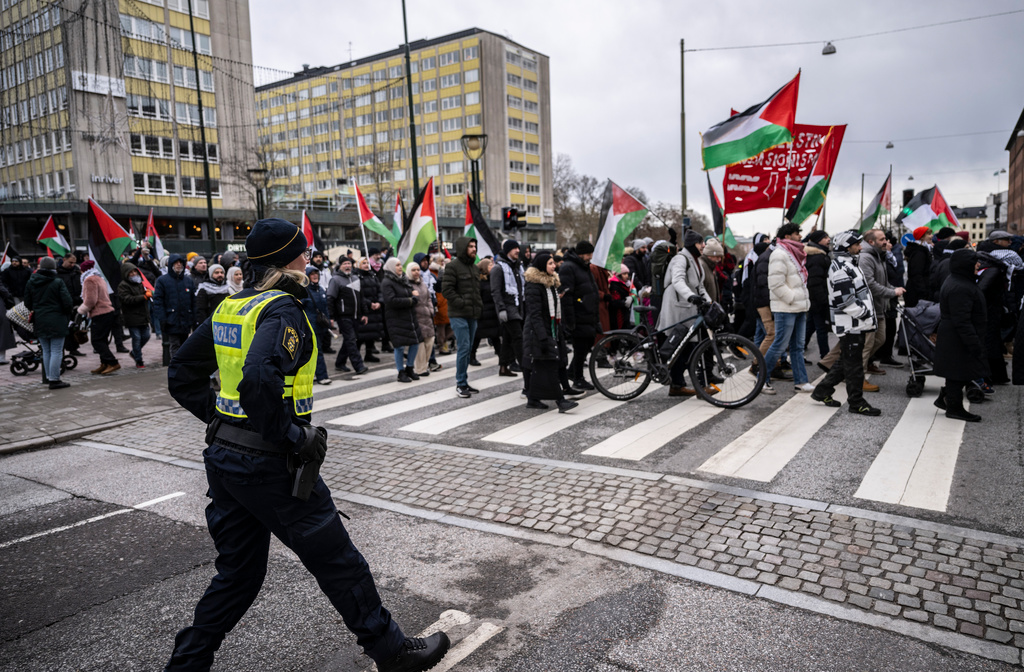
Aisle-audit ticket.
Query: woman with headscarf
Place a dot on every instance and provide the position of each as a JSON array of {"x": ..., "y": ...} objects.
[
  {"x": 400, "y": 299},
  {"x": 424, "y": 319},
  {"x": 620, "y": 292},
  {"x": 544, "y": 349},
  {"x": 234, "y": 280}
]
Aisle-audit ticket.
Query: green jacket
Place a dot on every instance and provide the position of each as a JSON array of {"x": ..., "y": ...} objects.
[
  {"x": 48, "y": 298},
  {"x": 460, "y": 284}
]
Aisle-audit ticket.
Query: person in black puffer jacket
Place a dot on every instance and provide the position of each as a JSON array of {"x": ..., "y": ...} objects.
[
  {"x": 488, "y": 326},
  {"x": 373, "y": 329},
  {"x": 992, "y": 283},
  {"x": 134, "y": 299},
  {"x": 818, "y": 260},
  {"x": 399, "y": 300},
  {"x": 940, "y": 264},
  {"x": 210, "y": 293},
  {"x": 762, "y": 301},
  {"x": 918, "y": 259},
  {"x": 960, "y": 355},
  {"x": 580, "y": 316}
]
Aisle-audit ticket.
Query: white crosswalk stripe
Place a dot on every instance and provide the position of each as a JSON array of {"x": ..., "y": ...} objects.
[
  {"x": 445, "y": 422},
  {"x": 767, "y": 447},
  {"x": 915, "y": 466},
  {"x": 423, "y": 400},
  {"x": 643, "y": 438},
  {"x": 382, "y": 374}
]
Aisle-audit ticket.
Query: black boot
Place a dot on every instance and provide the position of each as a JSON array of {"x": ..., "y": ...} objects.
[
  {"x": 962, "y": 414},
  {"x": 412, "y": 374},
  {"x": 403, "y": 376},
  {"x": 940, "y": 401},
  {"x": 418, "y": 654},
  {"x": 566, "y": 405}
]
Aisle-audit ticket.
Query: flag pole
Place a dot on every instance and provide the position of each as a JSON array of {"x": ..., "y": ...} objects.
[
  {"x": 890, "y": 197},
  {"x": 366, "y": 248},
  {"x": 789, "y": 167}
]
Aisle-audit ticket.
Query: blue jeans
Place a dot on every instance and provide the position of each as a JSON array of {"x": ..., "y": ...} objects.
[
  {"x": 465, "y": 332},
  {"x": 140, "y": 336},
  {"x": 53, "y": 355},
  {"x": 790, "y": 331},
  {"x": 405, "y": 355}
]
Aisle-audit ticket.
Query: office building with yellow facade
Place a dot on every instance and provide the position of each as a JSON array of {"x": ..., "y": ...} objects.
[
  {"x": 99, "y": 100},
  {"x": 327, "y": 129}
]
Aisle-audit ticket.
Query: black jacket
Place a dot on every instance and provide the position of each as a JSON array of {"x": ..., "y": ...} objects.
[
  {"x": 501, "y": 299},
  {"x": 637, "y": 264},
  {"x": 16, "y": 279},
  {"x": 134, "y": 303},
  {"x": 919, "y": 267},
  {"x": 488, "y": 326},
  {"x": 460, "y": 285},
  {"x": 209, "y": 295},
  {"x": 818, "y": 260},
  {"x": 762, "y": 295},
  {"x": 399, "y": 310},
  {"x": 580, "y": 306},
  {"x": 960, "y": 345},
  {"x": 48, "y": 299},
  {"x": 344, "y": 299},
  {"x": 543, "y": 345},
  {"x": 373, "y": 330},
  {"x": 72, "y": 278},
  {"x": 174, "y": 300}
]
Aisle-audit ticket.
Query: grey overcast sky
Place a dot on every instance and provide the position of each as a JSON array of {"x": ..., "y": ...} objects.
[{"x": 615, "y": 98}]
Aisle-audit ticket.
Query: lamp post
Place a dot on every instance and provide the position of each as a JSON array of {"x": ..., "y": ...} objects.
[
  {"x": 474, "y": 146},
  {"x": 259, "y": 174}
]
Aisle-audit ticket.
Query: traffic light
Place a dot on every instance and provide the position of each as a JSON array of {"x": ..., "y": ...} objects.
[{"x": 509, "y": 219}]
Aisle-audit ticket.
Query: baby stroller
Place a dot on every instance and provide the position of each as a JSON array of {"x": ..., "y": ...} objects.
[
  {"x": 29, "y": 359},
  {"x": 918, "y": 326}
]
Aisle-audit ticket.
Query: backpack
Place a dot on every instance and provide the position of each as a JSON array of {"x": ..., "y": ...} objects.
[{"x": 661, "y": 254}]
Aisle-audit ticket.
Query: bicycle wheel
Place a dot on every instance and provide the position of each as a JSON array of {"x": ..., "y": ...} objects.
[
  {"x": 627, "y": 369},
  {"x": 721, "y": 370}
]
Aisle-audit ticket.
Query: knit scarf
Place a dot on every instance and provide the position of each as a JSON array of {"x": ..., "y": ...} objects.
[
  {"x": 554, "y": 310},
  {"x": 795, "y": 250}
]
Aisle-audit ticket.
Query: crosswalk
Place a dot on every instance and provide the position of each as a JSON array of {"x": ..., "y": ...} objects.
[{"x": 912, "y": 465}]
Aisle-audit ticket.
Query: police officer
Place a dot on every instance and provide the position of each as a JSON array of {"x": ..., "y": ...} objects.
[{"x": 263, "y": 461}]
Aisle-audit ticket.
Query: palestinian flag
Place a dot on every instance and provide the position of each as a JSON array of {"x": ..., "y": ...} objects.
[
  {"x": 50, "y": 236},
  {"x": 487, "y": 244},
  {"x": 722, "y": 230},
  {"x": 812, "y": 194},
  {"x": 372, "y": 221},
  {"x": 422, "y": 229},
  {"x": 107, "y": 242},
  {"x": 747, "y": 134},
  {"x": 312, "y": 237},
  {"x": 397, "y": 220},
  {"x": 9, "y": 253},
  {"x": 154, "y": 238},
  {"x": 930, "y": 209},
  {"x": 879, "y": 205},
  {"x": 620, "y": 215}
]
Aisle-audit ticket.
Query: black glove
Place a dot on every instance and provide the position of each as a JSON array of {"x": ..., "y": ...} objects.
[
  {"x": 313, "y": 444},
  {"x": 697, "y": 300}
]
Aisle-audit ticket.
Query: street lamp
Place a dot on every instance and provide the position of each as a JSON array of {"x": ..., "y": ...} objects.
[
  {"x": 889, "y": 145},
  {"x": 474, "y": 146},
  {"x": 259, "y": 174},
  {"x": 999, "y": 172},
  {"x": 829, "y": 49}
]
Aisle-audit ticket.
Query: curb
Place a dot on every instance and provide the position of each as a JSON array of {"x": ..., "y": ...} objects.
[{"x": 51, "y": 440}]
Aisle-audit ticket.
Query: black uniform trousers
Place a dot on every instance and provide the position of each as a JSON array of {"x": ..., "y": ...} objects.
[
  {"x": 250, "y": 499},
  {"x": 511, "y": 343},
  {"x": 849, "y": 367}
]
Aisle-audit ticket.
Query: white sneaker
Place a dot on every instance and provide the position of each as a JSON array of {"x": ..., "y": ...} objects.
[
  {"x": 767, "y": 389},
  {"x": 806, "y": 387}
]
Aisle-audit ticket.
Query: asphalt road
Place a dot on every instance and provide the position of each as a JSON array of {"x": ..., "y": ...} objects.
[{"x": 110, "y": 594}]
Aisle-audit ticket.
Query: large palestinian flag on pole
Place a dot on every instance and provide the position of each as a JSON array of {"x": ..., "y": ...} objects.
[
  {"x": 51, "y": 237},
  {"x": 812, "y": 194},
  {"x": 153, "y": 238},
  {"x": 879, "y": 205},
  {"x": 107, "y": 242},
  {"x": 930, "y": 209},
  {"x": 372, "y": 221},
  {"x": 747, "y": 134},
  {"x": 312, "y": 237},
  {"x": 620, "y": 215},
  {"x": 422, "y": 228},
  {"x": 487, "y": 244},
  {"x": 722, "y": 230},
  {"x": 397, "y": 220}
]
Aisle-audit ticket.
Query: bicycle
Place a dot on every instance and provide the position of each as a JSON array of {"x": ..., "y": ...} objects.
[{"x": 727, "y": 370}]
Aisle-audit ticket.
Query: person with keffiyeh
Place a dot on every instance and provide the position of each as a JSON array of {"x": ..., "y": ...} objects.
[{"x": 790, "y": 301}]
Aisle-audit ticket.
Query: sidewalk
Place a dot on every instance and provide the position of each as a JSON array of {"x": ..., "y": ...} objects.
[{"x": 956, "y": 587}]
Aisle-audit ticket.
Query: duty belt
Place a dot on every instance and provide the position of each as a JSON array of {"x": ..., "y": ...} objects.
[{"x": 242, "y": 440}]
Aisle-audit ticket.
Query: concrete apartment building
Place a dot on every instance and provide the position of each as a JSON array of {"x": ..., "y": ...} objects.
[
  {"x": 1014, "y": 214},
  {"x": 99, "y": 99},
  {"x": 327, "y": 128}
]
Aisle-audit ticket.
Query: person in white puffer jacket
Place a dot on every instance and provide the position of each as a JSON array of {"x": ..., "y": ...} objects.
[{"x": 790, "y": 301}]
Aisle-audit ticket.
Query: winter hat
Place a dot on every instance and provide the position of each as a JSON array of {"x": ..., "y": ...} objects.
[
  {"x": 956, "y": 243},
  {"x": 508, "y": 246},
  {"x": 920, "y": 232},
  {"x": 966, "y": 235},
  {"x": 846, "y": 239},
  {"x": 274, "y": 242},
  {"x": 648, "y": 241},
  {"x": 87, "y": 264},
  {"x": 584, "y": 247},
  {"x": 48, "y": 264},
  {"x": 190, "y": 256},
  {"x": 691, "y": 237},
  {"x": 638, "y": 243},
  {"x": 816, "y": 236},
  {"x": 540, "y": 262},
  {"x": 945, "y": 232},
  {"x": 624, "y": 269},
  {"x": 213, "y": 268},
  {"x": 228, "y": 259},
  {"x": 999, "y": 235},
  {"x": 713, "y": 248},
  {"x": 372, "y": 251}
]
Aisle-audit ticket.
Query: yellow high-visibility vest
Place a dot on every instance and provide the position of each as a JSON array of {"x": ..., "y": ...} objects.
[{"x": 234, "y": 325}]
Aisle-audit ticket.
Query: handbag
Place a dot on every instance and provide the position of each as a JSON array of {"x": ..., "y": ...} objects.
[
  {"x": 21, "y": 316},
  {"x": 80, "y": 329}
]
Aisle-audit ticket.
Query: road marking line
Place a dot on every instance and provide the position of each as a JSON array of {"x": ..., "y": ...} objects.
[
  {"x": 463, "y": 416},
  {"x": 448, "y": 619},
  {"x": 642, "y": 439},
  {"x": 761, "y": 452},
  {"x": 534, "y": 429},
  {"x": 387, "y": 372},
  {"x": 474, "y": 641},
  {"x": 360, "y": 418},
  {"x": 94, "y": 519},
  {"x": 915, "y": 466}
]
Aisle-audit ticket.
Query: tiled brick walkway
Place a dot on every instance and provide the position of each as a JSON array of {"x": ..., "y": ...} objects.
[{"x": 949, "y": 580}]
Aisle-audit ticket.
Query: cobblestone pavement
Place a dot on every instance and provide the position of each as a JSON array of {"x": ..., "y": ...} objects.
[{"x": 957, "y": 587}]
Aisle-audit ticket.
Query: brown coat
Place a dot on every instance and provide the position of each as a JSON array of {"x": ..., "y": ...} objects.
[
  {"x": 601, "y": 276},
  {"x": 441, "y": 316}
]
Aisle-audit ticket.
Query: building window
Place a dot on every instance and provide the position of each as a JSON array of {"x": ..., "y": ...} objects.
[
  {"x": 516, "y": 166},
  {"x": 533, "y": 211},
  {"x": 450, "y": 146},
  {"x": 515, "y": 102},
  {"x": 530, "y": 64},
  {"x": 515, "y": 122},
  {"x": 146, "y": 183},
  {"x": 143, "y": 68},
  {"x": 530, "y": 106},
  {"x": 429, "y": 149},
  {"x": 453, "y": 167},
  {"x": 472, "y": 76},
  {"x": 428, "y": 85},
  {"x": 185, "y": 76},
  {"x": 469, "y": 53},
  {"x": 532, "y": 169},
  {"x": 428, "y": 106},
  {"x": 448, "y": 58},
  {"x": 533, "y": 188},
  {"x": 451, "y": 102},
  {"x": 513, "y": 80},
  {"x": 395, "y": 71},
  {"x": 193, "y": 151},
  {"x": 189, "y": 114},
  {"x": 428, "y": 63},
  {"x": 200, "y": 8},
  {"x": 532, "y": 148},
  {"x": 450, "y": 80},
  {"x": 516, "y": 145},
  {"x": 454, "y": 189},
  {"x": 144, "y": 106},
  {"x": 148, "y": 145},
  {"x": 196, "y": 187},
  {"x": 473, "y": 120},
  {"x": 513, "y": 58},
  {"x": 182, "y": 39},
  {"x": 529, "y": 84},
  {"x": 516, "y": 187},
  {"x": 319, "y": 90},
  {"x": 532, "y": 127},
  {"x": 453, "y": 124},
  {"x": 430, "y": 128}
]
